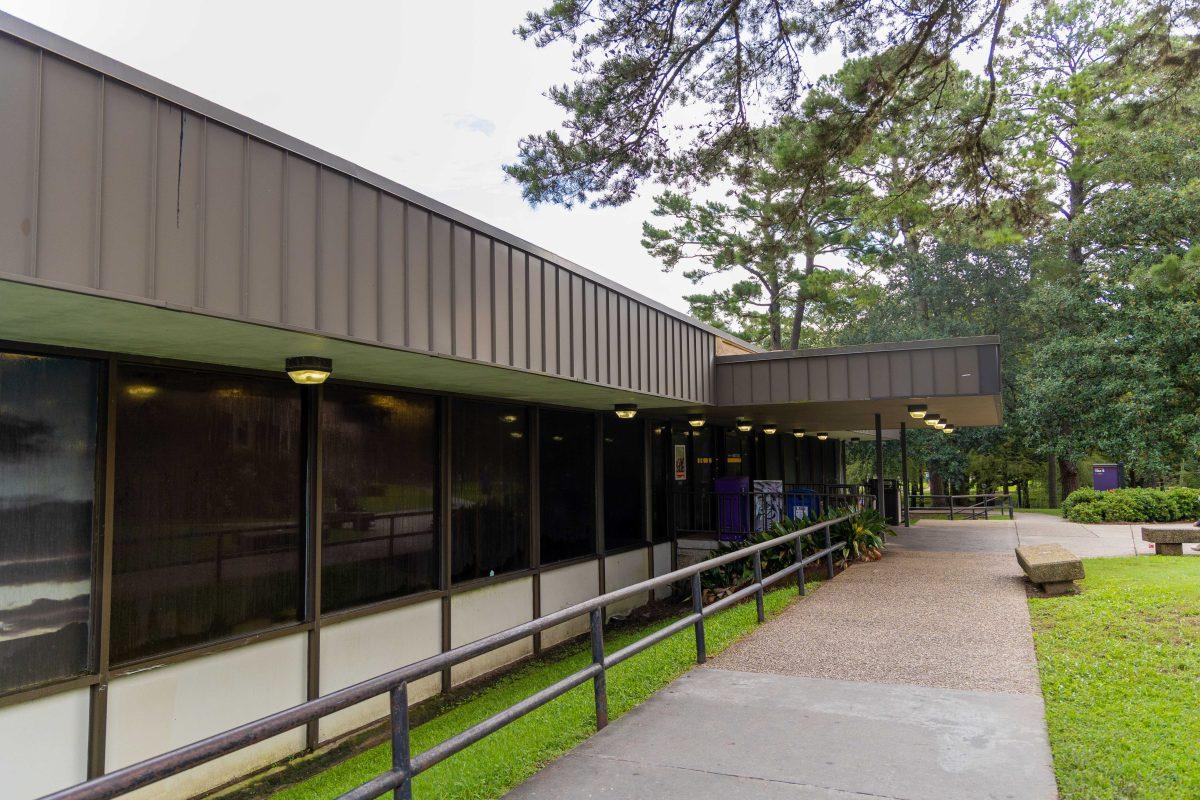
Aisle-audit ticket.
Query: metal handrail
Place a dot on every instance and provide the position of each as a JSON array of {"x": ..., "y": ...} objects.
[
  {"x": 979, "y": 502},
  {"x": 405, "y": 766}
]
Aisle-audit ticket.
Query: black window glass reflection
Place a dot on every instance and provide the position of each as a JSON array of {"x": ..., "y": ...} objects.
[
  {"x": 568, "y": 492},
  {"x": 207, "y": 538},
  {"x": 48, "y": 433},
  {"x": 663, "y": 474},
  {"x": 380, "y": 461},
  {"x": 489, "y": 489},
  {"x": 624, "y": 468}
]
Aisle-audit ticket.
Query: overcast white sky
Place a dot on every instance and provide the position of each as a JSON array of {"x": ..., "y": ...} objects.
[{"x": 434, "y": 95}]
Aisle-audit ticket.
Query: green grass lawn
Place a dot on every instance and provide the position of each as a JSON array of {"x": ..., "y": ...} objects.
[
  {"x": 506, "y": 758},
  {"x": 1120, "y": 669}
]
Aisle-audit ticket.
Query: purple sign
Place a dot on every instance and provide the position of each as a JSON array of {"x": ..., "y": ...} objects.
[{"x": 1107, "y": 476}]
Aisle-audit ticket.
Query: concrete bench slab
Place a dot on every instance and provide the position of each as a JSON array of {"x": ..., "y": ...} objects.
[
  {"x": 1170, "y": 541},
  {"x": 1052, "y": 567}
]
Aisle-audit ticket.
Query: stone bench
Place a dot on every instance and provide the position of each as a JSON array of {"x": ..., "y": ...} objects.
[
  {"x": 1052, "y": 567},
  {"x": 1170, "y": 541}
]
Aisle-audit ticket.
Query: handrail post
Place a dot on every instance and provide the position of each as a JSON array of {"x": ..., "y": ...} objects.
[
  {"x": 829, "y": 555},
  {"x": 401, "y": 752},
  {"x": 600, "y": 682},
  {"x": 698, "y": 608},
  {"x": 758, "y": 596},
  {"x": 800, "y": 572}
]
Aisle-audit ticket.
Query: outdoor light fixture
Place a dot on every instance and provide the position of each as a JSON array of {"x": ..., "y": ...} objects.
[
  {"x": 932, "y": 419},
  {"x": 770, "y": 428},
  {"x": 696, "y": 420},
  {"x": 625, "y": 410},
  {"x": 822, "y": 436},
  {"x": 308, "y": 370},
  {"x": 854, "y": 440},
  {"x": 744, "y": 425},
  {"x": 948, "y": 428},
  {"x": 509, "y": 418},
  {"x": 940, "y": 424},
  {"x": 798, "y": 433},
  {"x": 917, "y": 412}
]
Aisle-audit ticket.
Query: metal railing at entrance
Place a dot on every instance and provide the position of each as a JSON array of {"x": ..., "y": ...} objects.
[
  {"x": 405, "y": 766},
  {"x": 963, "y": 506},
  {"x": 735, "y": 515}
]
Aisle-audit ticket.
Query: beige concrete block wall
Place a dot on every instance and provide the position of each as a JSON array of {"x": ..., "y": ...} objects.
[
  {"x": 623, "y": 570},
  {"x": 364, "y": 647},
  {"x": 163, "y": 708},
  {"x": 487, "y": 610},
  {"x": 43, "y": 745},
  {"x": 662, "y": 565},
  {"x": 566, "y": 587}
]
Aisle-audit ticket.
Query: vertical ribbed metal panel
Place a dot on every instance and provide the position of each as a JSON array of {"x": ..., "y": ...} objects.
[
  {"x": 603, "y": 338},
  {"x": 858, "y": 378},
  {"x": 922, "y": 372},
  {"x": 562, "y": 299},
  {"x": 578, "y": 330},
  {"x": 224, "y": 193},
  {"x": 818, "y": 378},
  {"x": 482, "y": 270},
  {"x": 591, "y": 371},
  {"x": 504, "y": 303},
  {"x": 441, "y": 298},
  {"x": 391, "y": 270},
  {"x": 989, "y": 369},
  {"x": 364, "y": 262},
  {"x": 105, "y": 186},
  {"x": 900, "y": 369},
  {"x": 300, "y": 297},
  {"x": 264, "y": 270},
  {"x": 464, "y": 300},
  {"x": 839, "y": 377},
  {"x": 69, "y": 166},
  {"x": 536, "y": 326},
  {"x": 550, "y": 334},
  {"x": 127, "y": 193},
  {"x": 966, "y": 362},
  {"x": 20, "y": 94},
  {"x": 879, "y": 373},
  {"x": 520, "y": 311},
  {"x": 416, "y": 272},
  {"x": 945, "y": 378}
]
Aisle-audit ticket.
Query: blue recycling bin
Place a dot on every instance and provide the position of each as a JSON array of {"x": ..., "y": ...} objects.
[{"x": 803, "y": 504}]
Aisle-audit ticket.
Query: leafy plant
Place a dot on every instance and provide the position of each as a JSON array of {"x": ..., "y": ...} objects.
[{"x": 1132, "y": 505}]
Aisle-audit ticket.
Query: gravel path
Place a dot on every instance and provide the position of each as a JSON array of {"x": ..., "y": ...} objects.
[{"x": 955, "y": 620}]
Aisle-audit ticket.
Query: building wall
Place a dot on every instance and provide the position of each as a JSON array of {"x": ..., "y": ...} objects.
[
  {"x": 565, "y": 587},
  {"x": 112, "y": 189},
  {"x": 624, "y": 569},
  {"x": 481, "y": 612},
  {"x": 43, "y": 744},
  {"x": 159, "y": 709}
]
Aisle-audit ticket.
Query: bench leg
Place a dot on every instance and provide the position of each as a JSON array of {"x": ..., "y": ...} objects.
[
  {"x": 1169, "y": 549},
  {"x": 1058, "y": 588}
]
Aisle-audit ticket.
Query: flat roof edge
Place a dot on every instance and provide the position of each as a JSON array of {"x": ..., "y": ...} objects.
[
  {"x": 60, "y": 46},
  {"x": 875, "y": 347}
]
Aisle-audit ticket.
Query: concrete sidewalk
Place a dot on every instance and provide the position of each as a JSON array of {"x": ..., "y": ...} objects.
[{"x": 912, "y": 678}]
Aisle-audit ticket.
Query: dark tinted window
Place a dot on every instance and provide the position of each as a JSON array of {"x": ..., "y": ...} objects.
[
  {"x": 489, "y": 489},
  {"x": 48, "y": 419},
  {"x": 738, "y": 453},
  {"x": 208, "y": 540},
  {"x": 624, "y": 467},
  {"x": 568, "y": 491},
  {"x": 380, "y": 460}
]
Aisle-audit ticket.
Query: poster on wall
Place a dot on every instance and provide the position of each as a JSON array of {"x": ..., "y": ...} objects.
[
  {"x": 768, "y": 504},
  {"x": 681, "y": 462}
]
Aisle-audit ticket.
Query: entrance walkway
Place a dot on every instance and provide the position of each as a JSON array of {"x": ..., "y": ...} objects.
[{"x": 912, "y": 678}]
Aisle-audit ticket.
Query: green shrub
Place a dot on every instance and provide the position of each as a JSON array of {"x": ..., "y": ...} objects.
[
  {"x": 1079, "y": 497},
  {"x": 1132, "y": 505}
]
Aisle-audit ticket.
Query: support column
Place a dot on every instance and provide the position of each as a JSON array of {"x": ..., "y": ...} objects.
[
  {"x": 880, "y": 505},
  {"x": 904, "y": 474},
  {"x": 312, "y": 558}
]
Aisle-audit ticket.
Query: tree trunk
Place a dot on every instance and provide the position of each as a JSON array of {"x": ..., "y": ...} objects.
[
  {"x": 1068, "y": 476},
  {"x": 810, "y": 264}
]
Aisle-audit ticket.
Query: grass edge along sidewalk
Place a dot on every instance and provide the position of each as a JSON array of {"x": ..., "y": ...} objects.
[
  {"x": 503, "y": 760},
  {"x": 1120, "y": 672}
]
